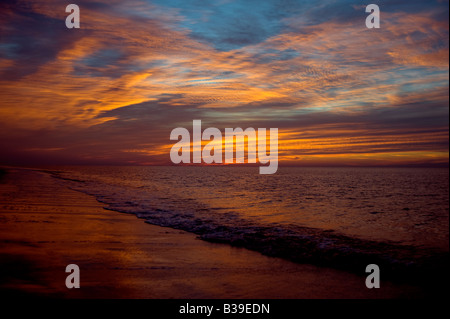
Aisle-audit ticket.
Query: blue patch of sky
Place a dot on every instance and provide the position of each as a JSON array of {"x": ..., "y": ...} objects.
[
  {"x": 414, "y": 87},
  {"x": 8, "y": 50},
  {"x": 270, "y": 55},
  {"x": 102, "y": 58},
  {"x": 216, "y": 79},
  {"x": 100, "y": 63},
  {"x": 230, "y": 25},
  {"x": 233, "y": 24}
]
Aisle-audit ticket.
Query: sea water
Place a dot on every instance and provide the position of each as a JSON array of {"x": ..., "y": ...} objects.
[{"x": 331, "y": 216}]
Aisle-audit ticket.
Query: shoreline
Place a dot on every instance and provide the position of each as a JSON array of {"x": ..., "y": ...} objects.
[
  {"x": 401, "y": 262},
  {"x": 46, "y": 226}
]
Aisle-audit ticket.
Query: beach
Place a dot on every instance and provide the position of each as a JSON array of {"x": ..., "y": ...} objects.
[{"x": 45, "y": 226}]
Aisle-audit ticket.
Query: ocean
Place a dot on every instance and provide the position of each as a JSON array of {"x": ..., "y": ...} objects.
[{"x": 346, "y": 218}]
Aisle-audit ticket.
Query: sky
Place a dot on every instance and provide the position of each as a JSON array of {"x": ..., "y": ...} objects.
[{"x": 112, "y": 91}]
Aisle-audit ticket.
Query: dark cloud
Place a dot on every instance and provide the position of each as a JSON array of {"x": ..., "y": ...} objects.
[{"x": 32, "y": 39}]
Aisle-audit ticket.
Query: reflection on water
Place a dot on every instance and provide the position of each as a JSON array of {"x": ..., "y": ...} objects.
[
  {"x": 344, "y": 218},
  {"x": 404, "y": 205}
]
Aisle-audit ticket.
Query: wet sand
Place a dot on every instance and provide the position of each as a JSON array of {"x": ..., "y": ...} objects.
[{"x": 44, "y": 226}]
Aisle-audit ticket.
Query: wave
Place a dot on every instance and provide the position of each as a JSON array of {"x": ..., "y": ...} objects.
[{"x": 322, "y": 247}]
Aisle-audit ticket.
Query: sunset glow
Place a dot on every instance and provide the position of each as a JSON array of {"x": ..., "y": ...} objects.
[{"x": 112, "y": 91}]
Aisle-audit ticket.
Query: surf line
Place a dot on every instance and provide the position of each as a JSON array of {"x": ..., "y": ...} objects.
[{"x": 213, "y": 150}]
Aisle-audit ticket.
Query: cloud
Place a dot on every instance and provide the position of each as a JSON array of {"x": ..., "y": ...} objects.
[{"x": 137, "y": 69}]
